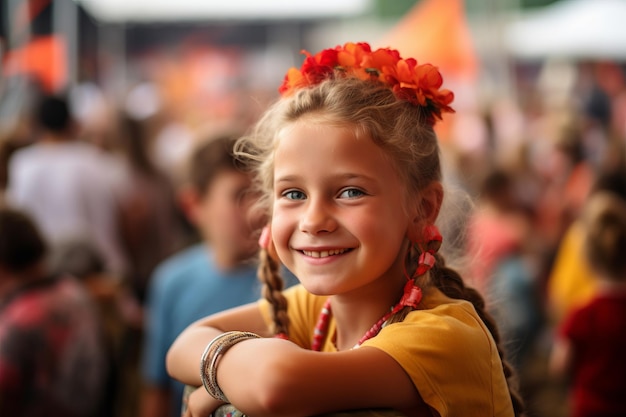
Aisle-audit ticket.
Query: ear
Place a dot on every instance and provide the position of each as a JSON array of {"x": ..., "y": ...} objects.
[
  {"x": 427, "y": 205},
  {"x": 432, "y": 198},
  {"x": 189, "y": 201},
  {"x": 266, "y": 242}
]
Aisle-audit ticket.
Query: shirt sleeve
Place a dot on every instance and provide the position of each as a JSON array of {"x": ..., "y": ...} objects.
[{"x": 303, "y": 309}]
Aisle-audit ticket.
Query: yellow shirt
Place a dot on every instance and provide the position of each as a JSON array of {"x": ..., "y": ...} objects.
[
  {"x": 571, "y": 283},
  {"x": 445, "y": 349}
]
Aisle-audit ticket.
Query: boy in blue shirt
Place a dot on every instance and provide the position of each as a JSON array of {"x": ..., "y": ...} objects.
[{"x": 213, "y": 275}]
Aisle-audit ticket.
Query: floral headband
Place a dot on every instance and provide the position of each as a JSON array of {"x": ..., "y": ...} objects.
[{"x": 417, "y": 84}]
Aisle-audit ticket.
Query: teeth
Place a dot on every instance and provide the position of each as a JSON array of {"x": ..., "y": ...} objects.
[{"x": 324, "y": 253}]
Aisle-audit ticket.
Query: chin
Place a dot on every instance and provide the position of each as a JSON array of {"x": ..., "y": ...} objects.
[
  {"x": 317, "y": 289},
  {"x": 321, "y": 289}
]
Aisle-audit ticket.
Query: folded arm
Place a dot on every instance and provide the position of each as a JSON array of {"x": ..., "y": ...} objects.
[{"x": 275, "y": 377}]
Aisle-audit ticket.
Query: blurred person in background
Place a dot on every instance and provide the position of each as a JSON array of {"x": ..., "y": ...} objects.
[
  {"x": 502, "y": 268},
  {"x": 117, "y": 312},
  {"x": 211, "y": 276},
  {"x": 567, "y": 178},
  {"x": 52, "y": 361},
  {"x": 591, "y": 157},
  {"x": 497, "y": 227},
  {"x": 152, "y": 225},
  {"x": 151, "y": 222},
  {"x": 152, "y": 228},
  {"x": 571, "y": 282},
  {"x": 66, "y": 185},
  {"x": 12, "y": 138},
  {"x": 590, "y": 343}
]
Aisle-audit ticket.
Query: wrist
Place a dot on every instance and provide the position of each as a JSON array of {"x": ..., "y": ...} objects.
[{"x": 211, "y": 356}]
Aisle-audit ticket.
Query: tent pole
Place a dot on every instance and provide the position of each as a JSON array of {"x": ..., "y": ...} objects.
[{"x": 65, "y": 23}]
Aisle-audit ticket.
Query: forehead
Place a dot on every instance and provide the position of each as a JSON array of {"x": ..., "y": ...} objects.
[
  {"x": 311, "y": 145},
  {"x": 226, "y": 181}
]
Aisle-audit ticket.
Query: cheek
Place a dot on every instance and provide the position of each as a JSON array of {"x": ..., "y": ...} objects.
[
  {"x": 221, "y": 212},
  {"x": 221, "y": 216},
  {"x": 204, "y": 211},
  {"x": 213, "y": 220},
  {"x": 382, "y": 228},
  {"x": 282, "y": 230}
]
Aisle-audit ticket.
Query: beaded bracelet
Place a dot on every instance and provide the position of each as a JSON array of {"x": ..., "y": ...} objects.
[{"x": 210, "y": 356}]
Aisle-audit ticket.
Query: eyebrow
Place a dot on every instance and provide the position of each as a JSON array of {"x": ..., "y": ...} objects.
[
  {"x": 286, "y": 178},
  {"x": 345, "y": 176}
]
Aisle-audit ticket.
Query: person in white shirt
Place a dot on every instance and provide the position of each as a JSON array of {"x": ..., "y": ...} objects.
[{"x": 69, "y": 187}]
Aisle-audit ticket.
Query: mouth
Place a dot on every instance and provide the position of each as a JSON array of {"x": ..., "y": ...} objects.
[{"x": 324, "y": 253}]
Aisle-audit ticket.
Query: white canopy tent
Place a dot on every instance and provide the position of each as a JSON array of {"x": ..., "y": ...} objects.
[
  {"x": 576, "y": 29},
  {"x": 121, "y": 11}
]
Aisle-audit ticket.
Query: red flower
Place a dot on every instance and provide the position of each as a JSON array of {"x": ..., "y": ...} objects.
[{"x": 418, "y": 84}]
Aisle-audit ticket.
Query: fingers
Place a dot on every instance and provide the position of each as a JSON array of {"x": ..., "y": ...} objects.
[{"x": 201, "y": 404}]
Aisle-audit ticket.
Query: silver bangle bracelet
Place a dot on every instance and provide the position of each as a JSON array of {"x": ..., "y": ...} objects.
[{"x": 210, "y": 356}]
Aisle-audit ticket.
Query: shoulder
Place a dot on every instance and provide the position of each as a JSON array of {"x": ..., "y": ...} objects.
[
  {"x": 585, "y": 310},
  {"x": 451, "y": 358},
  {"x": 25, "y": 310},
  {"x": 28, "y": 151},
  {"x": 51, "y": 297},
  {"x": 25, "y": 155},
  {"x": 593, "y": 315},
  {"x": 449, "y": 339},
  {"x": 189, "y": 263},
  {"x": 98, "y": 163},
  {"x": 455, "y": 322},
  {"x": 188, "y": 259}
]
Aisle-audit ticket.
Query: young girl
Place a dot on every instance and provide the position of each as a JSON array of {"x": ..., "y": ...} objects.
[
  {"x": 349, "y": 165},
  {"x": 591, "y": 342}
]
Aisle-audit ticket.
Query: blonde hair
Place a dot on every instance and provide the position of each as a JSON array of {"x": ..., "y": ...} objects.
[
  {"x": 402, "y": 130},
  {"x": 604, "y": 218}
]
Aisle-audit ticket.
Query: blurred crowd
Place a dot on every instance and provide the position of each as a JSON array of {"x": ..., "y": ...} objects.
[{"x": 139, "y": 224}]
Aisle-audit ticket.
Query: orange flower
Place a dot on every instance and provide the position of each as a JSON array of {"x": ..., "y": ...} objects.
[
  {"x": 382, "y": 58},
  {"x": 420, "y": 85},
  {"x": 293, "y": 80},
  {"x": 353, "y": 54}
]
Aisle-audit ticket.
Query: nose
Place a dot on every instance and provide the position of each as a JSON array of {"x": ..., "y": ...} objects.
[{"x": 317, "y": 217}]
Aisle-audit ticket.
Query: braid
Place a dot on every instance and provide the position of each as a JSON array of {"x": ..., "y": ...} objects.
[
  {"x": 451, "y": 284},
  {"x": 412, "y": 262},
  {"x": 273, "y": 285}
]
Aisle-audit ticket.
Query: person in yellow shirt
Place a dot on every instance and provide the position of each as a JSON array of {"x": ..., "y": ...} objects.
[
  {"x": 348, "y": 163},
  {"x": 572, "y": 282}
]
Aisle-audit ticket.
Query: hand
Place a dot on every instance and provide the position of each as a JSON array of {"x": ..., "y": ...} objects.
[{"x": 200, "y": 404}]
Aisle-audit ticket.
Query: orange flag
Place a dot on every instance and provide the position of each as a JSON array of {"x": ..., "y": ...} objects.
[
  {"x": 43, "y": 58},
  {"x": 436, "y": 32}
]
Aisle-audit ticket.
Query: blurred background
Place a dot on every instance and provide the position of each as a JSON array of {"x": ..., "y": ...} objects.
[{"x": 540, "y": 116}]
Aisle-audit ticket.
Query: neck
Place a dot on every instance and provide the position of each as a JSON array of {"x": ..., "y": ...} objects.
[
  {"x": 355, "y": 314},
  {"x": 53, "y": 137},
  {"x": 225, "y": 259}
]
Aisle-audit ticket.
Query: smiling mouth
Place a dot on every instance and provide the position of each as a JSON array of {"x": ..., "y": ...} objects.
[{"x": 324, "y": 253}]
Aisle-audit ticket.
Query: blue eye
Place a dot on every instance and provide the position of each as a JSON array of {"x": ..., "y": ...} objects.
[
  {"x": 294, "y": 195},
  {"x": 351, "y": 193}
]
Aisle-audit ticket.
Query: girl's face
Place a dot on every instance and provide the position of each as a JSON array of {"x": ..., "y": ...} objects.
[{"x": 339, "y": 222}]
